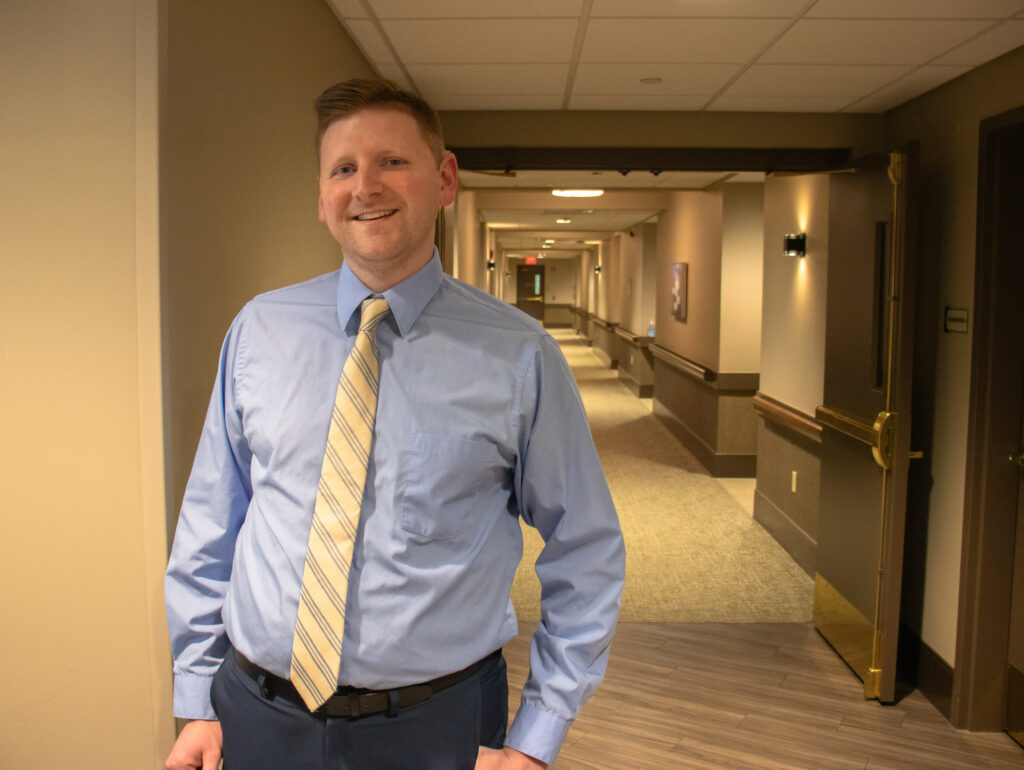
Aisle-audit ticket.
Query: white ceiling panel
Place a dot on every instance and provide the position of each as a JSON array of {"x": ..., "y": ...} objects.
[
  {"x": 480, "y": 41},
  {"x": 914, "y": 84},
  {"x": 677, "y": 40},
  {"x": 831, "y": 41},
  {"x": 987, "y": 46},
  {"x": 492, "y": 101},
  {"x": 819, "y": 80},
  {"x": 916, "y": 9},
  {"x": 777, "y": 104},
  {"x": 684, "y": 79},
  {"x": 395, "y": 73},
  {"x": 457, "y": 80},
  {"x": 474, "y": 9},
  {"x": 696, "y": 8},
  {"x": 368, "y": 36},
  {"x": 639, "y": 102}
]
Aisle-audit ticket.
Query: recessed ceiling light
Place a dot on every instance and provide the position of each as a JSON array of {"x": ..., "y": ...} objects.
[
  {"x": 563, "y": 221},
  {"x": 577, "y": 193},
  {"x": 650, "y": 81}
]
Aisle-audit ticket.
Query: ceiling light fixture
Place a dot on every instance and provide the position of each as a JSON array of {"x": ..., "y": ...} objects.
[
  {"x": 577, "y": 193},
  {"x": 650, "y": 81},
  {"x": 563, "y": 221}
]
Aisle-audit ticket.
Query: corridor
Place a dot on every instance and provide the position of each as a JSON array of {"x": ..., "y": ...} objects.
[
  {"x": 715, "y": 663},
  {"x": 693, "y": 551}
]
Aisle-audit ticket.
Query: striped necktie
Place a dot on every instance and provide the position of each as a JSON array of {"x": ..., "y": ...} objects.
[{"x": 316, "y": 648}]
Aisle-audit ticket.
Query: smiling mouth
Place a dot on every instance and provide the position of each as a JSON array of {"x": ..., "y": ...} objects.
[{"x": 372, "y": 215}]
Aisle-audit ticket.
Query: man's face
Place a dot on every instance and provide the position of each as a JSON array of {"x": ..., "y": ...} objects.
[{"x": 380, "y": 190}]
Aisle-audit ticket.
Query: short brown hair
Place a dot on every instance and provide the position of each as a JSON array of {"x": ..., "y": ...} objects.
[{"x": 345, "y": 99}]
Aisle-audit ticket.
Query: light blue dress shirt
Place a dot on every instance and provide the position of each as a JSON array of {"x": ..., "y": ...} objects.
[{"x": 479, "y": 422}]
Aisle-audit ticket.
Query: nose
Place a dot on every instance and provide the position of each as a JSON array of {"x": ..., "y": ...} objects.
[{"x": 369, "y": 181}]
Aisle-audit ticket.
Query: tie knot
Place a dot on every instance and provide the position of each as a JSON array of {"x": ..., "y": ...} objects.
[{"x": 372, "y": 313}]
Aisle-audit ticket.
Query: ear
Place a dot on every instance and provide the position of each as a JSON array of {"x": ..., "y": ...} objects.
[
  {"x": 320, "y": 213},
  {"x": 449, "y": 178}
]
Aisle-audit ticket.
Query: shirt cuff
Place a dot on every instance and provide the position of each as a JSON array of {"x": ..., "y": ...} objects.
[
  {"x": 192, "y": 696},
  {"x": 537, "y": 732}
]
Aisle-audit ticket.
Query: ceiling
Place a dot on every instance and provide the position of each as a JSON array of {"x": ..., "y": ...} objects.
[{"x": 824, "y": 56}]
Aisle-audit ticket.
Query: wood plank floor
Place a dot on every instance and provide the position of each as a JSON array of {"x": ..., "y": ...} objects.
[{"x": 765, "y": 696}]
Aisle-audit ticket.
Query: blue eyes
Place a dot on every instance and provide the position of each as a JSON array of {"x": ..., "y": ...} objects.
[{"x": 388, "y": 163}]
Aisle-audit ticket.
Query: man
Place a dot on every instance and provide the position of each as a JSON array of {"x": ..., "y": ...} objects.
[{"x": 478, "y": 423}]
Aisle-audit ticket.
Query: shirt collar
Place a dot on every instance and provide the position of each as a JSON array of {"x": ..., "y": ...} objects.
[{"x": 406, "y": 300}]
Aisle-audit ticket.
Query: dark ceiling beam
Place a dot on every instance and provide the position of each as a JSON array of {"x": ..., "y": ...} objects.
[{"x": 650, "y": 158}]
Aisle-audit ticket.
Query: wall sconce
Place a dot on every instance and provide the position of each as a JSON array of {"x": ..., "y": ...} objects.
[
  {"x": 597, "y": 269},
  {"x": 490, "y": 264},
  {"x": 795, "y": 245}
]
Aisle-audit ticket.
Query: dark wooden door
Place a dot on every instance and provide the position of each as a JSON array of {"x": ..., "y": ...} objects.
[
  {"x": 1009, "y": 243},
  {"x": 530, "y": 290},
  {"x": 866, "y": 416}
]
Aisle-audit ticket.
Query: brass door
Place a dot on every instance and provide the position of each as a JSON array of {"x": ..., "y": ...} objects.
[
  {"x": 530, "y": 290},
  {"x": 866, "y": 417}
]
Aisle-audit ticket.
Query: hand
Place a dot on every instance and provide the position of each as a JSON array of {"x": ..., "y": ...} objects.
[
  {"x": 505, "y": 759},
  {"x": 198, "y": 747}
]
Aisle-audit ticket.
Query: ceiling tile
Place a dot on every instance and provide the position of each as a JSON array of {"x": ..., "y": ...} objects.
[
  {"x": 670, "y": 102},
  {"x": 395, "y": 73},
  {"x": 777, "y": 104},
  {"x": 369, "y": 39},
  {"x": 477, "y": 41},
  {"x": 677, "y": 40},
  {"x": 349, "y": 9},
  {"x": 814, "y": 41},
  {"x": 696, "y": 8},
  {"x": 442, "y": 101},
  {"x": 457, "y": 79},
  {"x": 474, "y": 9},
  {"x": 692, "y": 79},
  {"x": 986, "y": 46},
  {"x": 813, "y": 80},
  {"x": 908, "y": 87},
  {"x": 915, "y": 9}
]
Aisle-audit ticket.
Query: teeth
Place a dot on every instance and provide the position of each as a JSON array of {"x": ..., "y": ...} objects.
[{"x": 375, "y": 215}]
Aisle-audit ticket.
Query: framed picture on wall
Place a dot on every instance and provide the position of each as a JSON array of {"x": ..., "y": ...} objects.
[{"x": 677, "y": 281}]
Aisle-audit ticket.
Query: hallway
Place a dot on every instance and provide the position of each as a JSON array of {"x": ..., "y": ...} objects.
[
  {"x": 693, "y": 551},
  {"x": 715, "y": 663}
]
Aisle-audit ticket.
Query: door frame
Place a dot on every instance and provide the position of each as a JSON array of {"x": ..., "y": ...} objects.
[{"x": 986, "y": 568}]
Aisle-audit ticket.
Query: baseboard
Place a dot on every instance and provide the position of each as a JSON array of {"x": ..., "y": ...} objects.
[
  {"x": 729, "y": 466},
  {"x": 926, "y": 670},
  {"x": 640, "y": 391},
  {"x": 797, "y": 543}
]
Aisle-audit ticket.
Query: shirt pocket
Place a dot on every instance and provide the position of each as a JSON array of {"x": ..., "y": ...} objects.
[{"x": 444, "y": 484}]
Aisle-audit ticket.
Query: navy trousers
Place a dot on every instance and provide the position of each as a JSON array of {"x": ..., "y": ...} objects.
[{"x": 442, "y": 733}]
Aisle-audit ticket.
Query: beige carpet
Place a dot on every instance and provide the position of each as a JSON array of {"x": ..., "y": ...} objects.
[{"x": 692, "y": 552}]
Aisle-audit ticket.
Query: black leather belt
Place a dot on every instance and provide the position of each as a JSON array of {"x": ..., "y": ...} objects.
[{"x": 355, "y": 702}]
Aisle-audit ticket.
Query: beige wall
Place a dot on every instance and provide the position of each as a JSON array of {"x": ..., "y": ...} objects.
[
  {"x": 690, "y": 231},
  {"x": 793, "y": 331},
  {"x": 83, "y": 650},
  {"x": 945, "y": 122},
  {"x": 238, "y": 177},
  {"x": 742, "y": 257}
]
